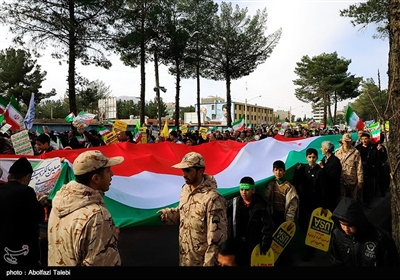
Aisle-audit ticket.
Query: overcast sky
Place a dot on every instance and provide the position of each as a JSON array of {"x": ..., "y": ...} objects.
[{"x": 308, "y": 28}]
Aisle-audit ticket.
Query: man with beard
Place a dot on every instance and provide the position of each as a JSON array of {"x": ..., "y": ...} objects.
[{"x": 201, "y": 214}]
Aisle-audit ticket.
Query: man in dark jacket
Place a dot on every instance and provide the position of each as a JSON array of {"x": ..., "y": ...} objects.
[
  {"x": 373, "y": 155},
  {"x": 249, "y": 218},
  {"x": 357, "y": 242},
  {"x": 20, "y": 214},
  {"x": 333, "y": 169}
]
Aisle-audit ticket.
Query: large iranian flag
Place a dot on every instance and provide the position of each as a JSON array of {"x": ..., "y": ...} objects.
[{"x": 145, "y": 182}]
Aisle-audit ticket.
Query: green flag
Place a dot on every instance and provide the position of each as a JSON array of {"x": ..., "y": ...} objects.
[
  {"x": 3, "y": 104},
  {"x": 70, "y": 117}
]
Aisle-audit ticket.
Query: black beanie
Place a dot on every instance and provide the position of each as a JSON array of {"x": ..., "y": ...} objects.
[{"x": 21, "y": 166}]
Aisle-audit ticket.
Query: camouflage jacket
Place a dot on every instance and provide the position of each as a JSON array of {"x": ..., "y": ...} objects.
[
  {"x": 352, "y": 170},
  {"x": 81, "y": 231},
  {"x": 202, "y": 216}
]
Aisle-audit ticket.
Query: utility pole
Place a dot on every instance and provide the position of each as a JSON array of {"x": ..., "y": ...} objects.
[{"x": 157, "y": 89}]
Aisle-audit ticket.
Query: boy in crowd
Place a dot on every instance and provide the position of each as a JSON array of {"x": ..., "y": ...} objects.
[
  {"x": 249, "y": 218},
  {"x": 232, "y": 252},
  {"x": 311, "y": 184},
  {"x": 283, "y": 202}
]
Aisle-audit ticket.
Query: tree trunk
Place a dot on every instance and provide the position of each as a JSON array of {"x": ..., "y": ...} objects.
[
  {"x": 71, "y": 62},
  {"x": 178, "y": 85},
  {"x": 394, "y": 115},
  {"x": 143, "y": 82},
  {"x": 229, "y": 100}
]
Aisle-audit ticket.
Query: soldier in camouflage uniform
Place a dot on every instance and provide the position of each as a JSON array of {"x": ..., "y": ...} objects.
[
  {"x": 201, "y": 214},
  {"x": 351, "y": 179},
  {"x": 81, "y": 231}
]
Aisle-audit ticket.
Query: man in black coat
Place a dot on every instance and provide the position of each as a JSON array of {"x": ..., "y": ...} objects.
[
  {"x": 333, "y": 169},
  {"x": 20, "y": 214},
  {"x": 373, "y": 155}
]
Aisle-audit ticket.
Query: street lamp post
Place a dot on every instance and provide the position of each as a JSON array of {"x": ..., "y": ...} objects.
[
  {"x": 245, "y": 108},
  {"x": 290, "y": 111}
]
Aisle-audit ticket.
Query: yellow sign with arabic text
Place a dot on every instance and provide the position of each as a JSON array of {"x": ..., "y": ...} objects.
[
  {"x": 110, "y": 138},
  {"x": 120, "y": 125},
  {"x": 258, "y": 259},
  {"x": 281, "y": 237},
  {"x": 183, "y": 128},
  {"x": 319, "y": 230}
]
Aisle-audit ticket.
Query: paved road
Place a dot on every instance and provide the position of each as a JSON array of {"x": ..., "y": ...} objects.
[{"x": 158, "y": 245}]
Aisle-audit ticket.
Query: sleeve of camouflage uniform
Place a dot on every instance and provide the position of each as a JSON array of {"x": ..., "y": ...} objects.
[
  {"x": 360, "y": 172},
  {"x": 217, "y": 227},
  {"x": 172, "y": 216},
  {"x": 98, "y": 243}
]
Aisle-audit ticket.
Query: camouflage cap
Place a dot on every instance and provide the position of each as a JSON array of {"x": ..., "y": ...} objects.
[
  {"x": 346, "y": 137},
  {"x": 191, "y": 159},
  {"x": 92, "y": 160}
]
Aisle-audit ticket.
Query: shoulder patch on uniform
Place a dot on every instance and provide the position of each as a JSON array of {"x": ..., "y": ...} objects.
[{"x": 215, "y": 219}]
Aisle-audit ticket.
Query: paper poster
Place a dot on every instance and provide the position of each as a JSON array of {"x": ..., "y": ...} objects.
[
  {"x": 110, "y": 138},
  {"x": 45, "y": 175},
  {"x": 5, "y": 128},
  {"x": 120, "y": 125},
  {"x": 22, "y": 143}
]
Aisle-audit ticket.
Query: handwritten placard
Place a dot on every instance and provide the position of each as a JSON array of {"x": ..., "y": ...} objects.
[
  {"x": 21, "y": 143},
  {"x": 203, "y": 132},
  {"x": 183, "y": 128},
  {"x": 5, "y": 128},
  {"x": 258, "y": 259},
  {"x": 45, "y": 175},
  {"x": 319, "y": 230},
  {"x": 110, "y": 138},
  {"x": 281, "y": 237},
  {"x": 120, "y": 125}
]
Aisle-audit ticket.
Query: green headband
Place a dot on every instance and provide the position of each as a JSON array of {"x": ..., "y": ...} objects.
[{"x": 244, "y": 186}]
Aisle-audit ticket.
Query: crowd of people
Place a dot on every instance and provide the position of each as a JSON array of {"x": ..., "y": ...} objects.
[{"x": 213, "y": 230}]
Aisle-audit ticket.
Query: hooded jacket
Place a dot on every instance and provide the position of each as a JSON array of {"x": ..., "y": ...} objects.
[
  {"x": 369, "y": 246},
  {"x": 202, "y": 219},
  {"x": 81, "y": 231}
]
